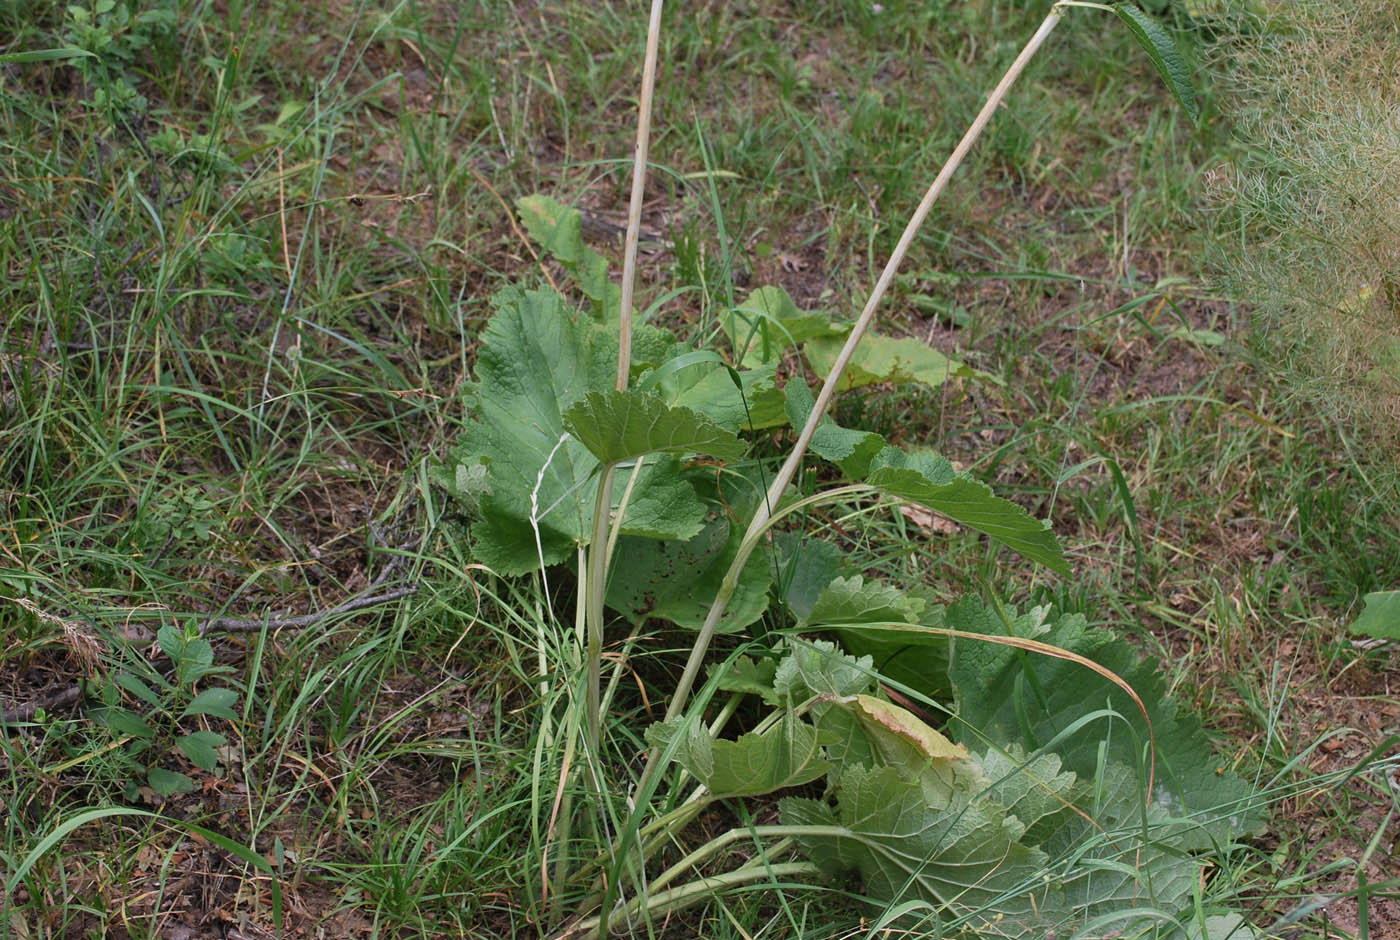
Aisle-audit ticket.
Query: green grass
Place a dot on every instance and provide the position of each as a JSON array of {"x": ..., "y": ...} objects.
[{"x": 238, "y": 319}]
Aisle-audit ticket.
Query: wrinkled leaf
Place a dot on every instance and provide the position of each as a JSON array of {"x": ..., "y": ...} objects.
[
  {"x": 1162, "y": 49},
  {"x": 806, "y": 566},
  {"x": 904, "y": 738},
  {"x": 664, "y": 503},
  {"x": 677, "y": 580},
  {"x": 959, "y": 854},
  {"x": 747, "y": 676},
  {"x": 856, "y": 600},
  {"x": 616, "y": 426},
  {"x": 755, "y": 404},
  {"x": 514, "y": 462},
  {"x": 786, "y": 755},
  {"x": 1025, "y": 699},
  {"x": 820, "y": 668}
]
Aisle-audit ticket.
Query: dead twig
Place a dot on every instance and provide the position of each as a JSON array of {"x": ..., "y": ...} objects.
[
  {"x": 48, "y": 702},
  {"x": 230, "y": 625}
]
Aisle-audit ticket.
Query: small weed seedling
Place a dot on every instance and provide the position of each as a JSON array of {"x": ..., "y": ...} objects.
[
  {"x": 147, "y": 738},
  {"x": 1063, "y": 794}
]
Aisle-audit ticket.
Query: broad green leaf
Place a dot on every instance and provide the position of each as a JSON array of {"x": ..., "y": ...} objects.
[
  {"x": 856, "y": 600},
  {"x": 1162, "y": 49},
  {"x": 880, "y": 359},
  {"x": 664, "y": 503},
  {"x": 559, "y": 231},
  {"x": 786, "y": 755},
  {"x": 1038, "y": 791},
  {"x": 677, "y": 580},
  {"x": 168, "y": 782},
  {"x": 126, "y": 722},
  {"x": 172, "y": 641},
  {"x": 1133, "y": 871},
  {"x": 850, "y": 450},
  {"x": 756, "y": 403},
  {"x": 201, "y": 748},
  {"x": 1222, "y": 927},
  {"x": 957, "y": 853},
  {"x": 867, "y": 730},
  {"x": 216, "y": 702},
  {"x": 767, "y": 324},
  {"x": 747, "y": 676},
  {"x": 514, "y": 466},
  {"x": 821, "y": 668},
  {"x": 1015, "y": 697},
  {"x": 806, "y": 566},
  {"x": 1381, "y": 616},
  {"x": 137, "y": 688},
  {"x": 969, "y": 843},
  {"x": 616, "y": 426},
  {"x": 929, "y": 481},
  {"x": 195, "y": 660}
]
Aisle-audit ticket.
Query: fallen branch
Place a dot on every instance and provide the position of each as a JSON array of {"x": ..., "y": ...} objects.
[
  {"x": 231, "y": 625},
  {"x": 29, "y": 709}
]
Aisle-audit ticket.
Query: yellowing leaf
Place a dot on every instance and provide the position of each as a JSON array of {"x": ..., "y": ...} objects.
[{"x": 887, "y": 718}]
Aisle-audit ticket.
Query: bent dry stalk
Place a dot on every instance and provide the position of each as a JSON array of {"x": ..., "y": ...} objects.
[
  {"x": 656, "y": 896},
  {"x": 762, "y": 517}
]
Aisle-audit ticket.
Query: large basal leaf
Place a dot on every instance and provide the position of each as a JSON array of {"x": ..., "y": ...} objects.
[
  {"x": 806, "y": 565},
  {"x": 819, "y": 598},
  {"x": 880, "y": 359},
  {"x": 1037, "y": 791},
  {"x": 901, "y": 737},
  {"x": 820, "y": 668},
  {"x": 617, "y": 426},
  {"x": 755, "y": 403},
  {"x": 677, "y": 580},
  {"x": 1014, "y": 697},
  {"x": 858, "y": 600},
  {"x": 747, "y": 676},
  {"x": 955, "y": 852},
  {"x": 786, "y": 755},
  {"x": 1013, "y": 848},
  {"x": 514, "y": 462},
  {"x": 559, "y": 230},
  {"x": 1162, "y": 49},
  {"x": 1381, "y": 616},
  {"x": 1133, "y": 872},
  {"x": 929, "y": 480},
  {"x": 850, "y": 450},
  {"x": 767, "y": 324}
]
